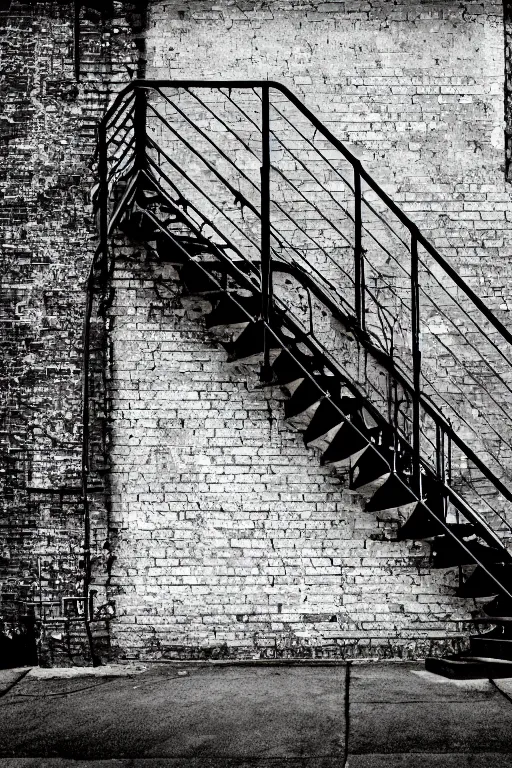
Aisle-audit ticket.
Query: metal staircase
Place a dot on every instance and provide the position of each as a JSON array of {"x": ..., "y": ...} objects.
[{"x": 394, "y": 367}]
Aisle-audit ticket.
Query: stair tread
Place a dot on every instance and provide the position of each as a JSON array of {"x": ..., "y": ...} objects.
[
  {"x": 490, "y": 660},
  {"x": 371, "y": 466},
  {"x": 306, "y": 395},
  {"x": 346, "y": 443},
  {"x": 491, "y": 620},
  {"x": 468, "y": 667},
  {"x": 394, "y": 493}
]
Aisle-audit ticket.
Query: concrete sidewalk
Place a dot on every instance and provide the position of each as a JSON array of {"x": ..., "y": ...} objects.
[{"x": 234, "y": 716}]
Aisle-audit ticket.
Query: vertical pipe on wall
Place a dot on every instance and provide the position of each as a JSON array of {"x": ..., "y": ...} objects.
[{"x": 103, "y": 196}]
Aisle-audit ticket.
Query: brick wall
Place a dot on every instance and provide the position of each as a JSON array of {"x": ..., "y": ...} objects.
[
  {"x": 230, "y": 539},
  {"x": 47, "y": 238},
  {"x": 204, "y": 560},
  {"x": 416, "y": 91}
]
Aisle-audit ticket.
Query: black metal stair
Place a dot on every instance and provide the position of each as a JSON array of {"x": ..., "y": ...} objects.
[
  {"x": 380, "y": 464},
  {"x": 335, "y": 413}
]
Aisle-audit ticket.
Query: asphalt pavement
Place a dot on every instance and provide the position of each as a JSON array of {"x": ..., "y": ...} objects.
[{"x": 379, "y": 715}]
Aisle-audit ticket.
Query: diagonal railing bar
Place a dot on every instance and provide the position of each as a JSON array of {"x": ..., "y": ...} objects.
[
  {"x": 312, "y": 175},
  {"x": 340, "y": 176},
  {"x": 239, "y": 197},
  {"x": 495, "y": 346},
  {"x": 120, "y": 126},
  {"x": 125, "y": 200},
  {"x": 209, "y": 140},
  {"x": 218, "y": 253},
  {"x": 241, "y": 173},
  {"x": 122, "y": 158},
  {"x": 210, "y": 200},
  {"x": 196, "y": 210},
  {"x": 239, "y": 108},
  {"x": 222, "y": 122},
  {"x": 118, "y": 106},
  {"x": 196, "y": 186},
  {"x": 316, "y": 149},
  {"x": 313, "y": 205},
  {"x": 281, "y": 174},
  {"x": 277, "y": 236},
  {"x": 457, "y": 359}
]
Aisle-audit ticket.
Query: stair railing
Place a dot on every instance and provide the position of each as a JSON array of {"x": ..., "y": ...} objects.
[{"x": 384, "y": 278}]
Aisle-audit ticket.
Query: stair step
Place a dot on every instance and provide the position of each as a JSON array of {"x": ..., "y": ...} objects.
[
  {"x": 499, "y": 606},
  {"x": 433, "y": 495},
  {"x": 421, "y": 524},
  {"x": 491, "y": 647},
  {"x": 329, "y": 415},
  {"x": 288, "y": 370},
  {"x": 491, "y": 620},
  {"x": 393, "y": 494},
  {"x": 468, "y": 668},
  {"x": 147, "y": 195},
  {"x": 169, "y": 253},
  {"x": 370, "y": 468},
  {"x": 479, "y": 584},
  {"x": 346, "y": 445},
  {"x": 248, "y": 346},
  {"x": 199, "y": 278},
  {"x": 137, "y": 226},
  {"x": 304, "y": 397},
  {"x": 447, "y": 552},
  {"x": 233, "y": 310}
]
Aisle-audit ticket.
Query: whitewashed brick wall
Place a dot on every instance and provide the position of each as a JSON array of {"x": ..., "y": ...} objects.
[
  {"x": 228, "y": 531},
  {"x": 229, "y": 535}
]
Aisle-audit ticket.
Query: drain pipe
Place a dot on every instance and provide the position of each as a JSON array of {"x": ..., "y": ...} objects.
[
  {"x": 347, "y": 713},
  {"x": 96, "y": 661}
]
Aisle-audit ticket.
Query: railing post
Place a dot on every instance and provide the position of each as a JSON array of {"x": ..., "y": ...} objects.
[
  {"x": 139, "y": 126},
  {"x": 358, "y": 253},
  {"x": 441, "y": 463},
  {"x": 416, "y": 362},
  {"x": 266, "y": 266}
]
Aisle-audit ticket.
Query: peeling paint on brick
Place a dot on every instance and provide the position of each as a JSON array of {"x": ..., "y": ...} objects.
[
  {"x": 216, "y": 534},
  {"x": 47, "y": 127}
]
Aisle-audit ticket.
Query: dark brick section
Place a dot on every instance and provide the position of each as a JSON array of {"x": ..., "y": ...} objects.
[{"x": 47, "y": 239}]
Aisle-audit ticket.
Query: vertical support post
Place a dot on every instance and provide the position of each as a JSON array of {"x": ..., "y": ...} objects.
[
  {"x": 139, "y": 126},
  {"x": 441, "y": 462},
  {"x": 266, "y": 266},
  {"x": 76, "y": 38},
  {"x": 359, "y": 282},
  {"x": 416, "y": 362}
]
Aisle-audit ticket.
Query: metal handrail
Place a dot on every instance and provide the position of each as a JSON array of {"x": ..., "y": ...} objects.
[{"x": 348, "y": 155}]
